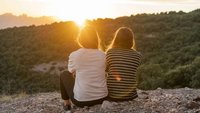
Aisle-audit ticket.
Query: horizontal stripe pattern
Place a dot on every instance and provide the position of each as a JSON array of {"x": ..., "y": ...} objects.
[{"x": 121, "y": 66}]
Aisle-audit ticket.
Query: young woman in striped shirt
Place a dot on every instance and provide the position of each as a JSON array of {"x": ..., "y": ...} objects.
[{"x": 122, "y": 61}]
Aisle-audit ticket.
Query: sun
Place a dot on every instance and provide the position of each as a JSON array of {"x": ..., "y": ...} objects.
[
  {"x": 80, "y": 22},
  {"x": 78, "y": 10}
]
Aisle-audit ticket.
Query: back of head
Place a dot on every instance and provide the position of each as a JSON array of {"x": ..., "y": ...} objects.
[
  {"x": 124, "y": 38},
  {"x": 88, "y": 38}
]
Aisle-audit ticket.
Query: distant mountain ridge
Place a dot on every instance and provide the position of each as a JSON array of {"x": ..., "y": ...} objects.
[{"x": 10, "y": 20}]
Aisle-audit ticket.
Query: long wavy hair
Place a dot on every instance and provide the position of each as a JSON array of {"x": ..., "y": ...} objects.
[{"x": 123, "y": 38}]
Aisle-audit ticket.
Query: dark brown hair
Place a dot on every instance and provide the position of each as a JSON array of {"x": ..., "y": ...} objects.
[
  {"x": 88, "y": 38},
  {"x": 123, "y": 38}
]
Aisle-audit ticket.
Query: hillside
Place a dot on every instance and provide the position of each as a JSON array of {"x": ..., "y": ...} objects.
[
  {"x": 10, "y": 20},
  {"x": 168, "y": 41},
  {"x": 183, "y": 100}
]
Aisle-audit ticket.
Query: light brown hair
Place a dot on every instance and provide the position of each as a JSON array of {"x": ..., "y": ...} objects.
[
  {"x": 88, "y": 38},
  {"x": 123, "y": 38}
]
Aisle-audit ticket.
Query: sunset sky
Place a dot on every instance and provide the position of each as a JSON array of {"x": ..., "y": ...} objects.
[{"x": 90, "y": 9}]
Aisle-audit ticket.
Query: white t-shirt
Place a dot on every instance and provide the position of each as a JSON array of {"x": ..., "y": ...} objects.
[{"x": 89, "y": 67}]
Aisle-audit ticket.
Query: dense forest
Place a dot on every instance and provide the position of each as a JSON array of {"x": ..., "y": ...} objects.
[{"x": 168, "y": 41}]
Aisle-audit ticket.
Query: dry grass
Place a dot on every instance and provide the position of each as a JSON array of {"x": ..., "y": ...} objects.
[{"x": 4, "y": 98}]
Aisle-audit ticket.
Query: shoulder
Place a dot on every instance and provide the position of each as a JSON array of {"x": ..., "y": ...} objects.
[
  {"x": 138, "y": 53},
  {"x": 95, "y": 51},
  {"x": 101, "y": 52},
  {"x": 111, "y": 51},
  {"x": 76, "y": 53},
  {"x": 120, "y": 51}
]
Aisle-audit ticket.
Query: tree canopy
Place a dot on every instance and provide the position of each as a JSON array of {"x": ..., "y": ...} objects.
[{"x": 168, "y": 41}]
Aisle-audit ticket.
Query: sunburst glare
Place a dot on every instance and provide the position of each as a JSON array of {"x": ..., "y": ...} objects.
[{"x": 80, "y": 22}]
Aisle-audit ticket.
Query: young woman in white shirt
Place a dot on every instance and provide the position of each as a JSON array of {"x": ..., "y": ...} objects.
[{"x": 88, "y": 87}]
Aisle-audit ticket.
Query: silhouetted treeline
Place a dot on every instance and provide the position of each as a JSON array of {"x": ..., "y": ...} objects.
[{"x": 168, "y": 41}]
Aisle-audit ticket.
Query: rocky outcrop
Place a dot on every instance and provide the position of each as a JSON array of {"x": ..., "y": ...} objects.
[
  {"x": 184, "y": 100},
  {"x": 54, "y": 67}
]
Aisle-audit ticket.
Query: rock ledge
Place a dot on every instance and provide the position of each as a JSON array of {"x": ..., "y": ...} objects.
[{"x": 184, "y": 100}]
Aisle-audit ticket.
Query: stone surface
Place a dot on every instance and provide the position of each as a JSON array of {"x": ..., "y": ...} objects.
[
  {"x": 185, "y": 100},
  {"x": 54, "y": 67},
  {"x": 192, "y": 105}
]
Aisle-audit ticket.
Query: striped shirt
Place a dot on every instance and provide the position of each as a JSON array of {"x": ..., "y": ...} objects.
[{"x": 121, "y": 65}]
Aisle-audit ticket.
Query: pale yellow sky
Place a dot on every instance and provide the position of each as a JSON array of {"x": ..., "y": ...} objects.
[{"x": 90, "y": 9}]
